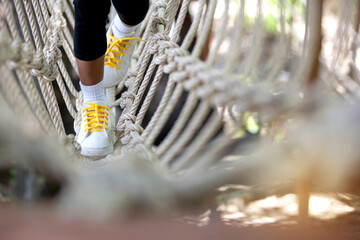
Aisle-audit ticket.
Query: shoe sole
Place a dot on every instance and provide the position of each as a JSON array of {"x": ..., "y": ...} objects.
[{"x": 96, "y": 152}]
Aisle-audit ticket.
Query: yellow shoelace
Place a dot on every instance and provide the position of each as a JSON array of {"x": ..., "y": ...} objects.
[
  {"x": 95, "y": 117},
  {"x": 116, "y": 49}
]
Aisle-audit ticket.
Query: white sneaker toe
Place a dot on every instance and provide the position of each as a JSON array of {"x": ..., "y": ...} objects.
[
  {"x": 94, "y": 135},
  {"x": 96, "y": 145}
]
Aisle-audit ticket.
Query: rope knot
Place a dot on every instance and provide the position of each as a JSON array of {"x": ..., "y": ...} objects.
[
  {"x": 184, "y": 61},
  {"x": 179, "y": 76},
  {"x": 155, "y": 41},
  {"x": 175, "y": 51},
  {"x": 159, "y": 4},
  {"x": 127, "y": 126},
  {"x": 125, "y": 97},
  {"x": 132, "y": 132},
  {"x": 130, "y": 77},
  {"x": 159, "y": 59},
  {"x": 155, "y": 22},
  {"x": 165, "y": 45}
]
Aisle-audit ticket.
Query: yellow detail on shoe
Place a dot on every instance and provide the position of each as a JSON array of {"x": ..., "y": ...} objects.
[
  {"x": 96, "y": 117},
  {"x": 116, "y": 49}
]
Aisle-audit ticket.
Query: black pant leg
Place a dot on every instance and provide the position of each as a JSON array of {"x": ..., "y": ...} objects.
[
  {"x": 90, "y": 31},
  {"x": 131, "y": 12}
]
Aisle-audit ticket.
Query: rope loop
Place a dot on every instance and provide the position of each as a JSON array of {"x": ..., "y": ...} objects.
[
  {"x": 125, "y": 97},
  {"x": 130, "y": 77},
  {"x": 175, "y": 51},
  {"x": 157, "y": 18},
  {"x": 170, "y": 67},
  {"x": 184, "y": 61},
  {"x": 52, "y": 54},
  {"x": 179, "y": 76},
  {"x": 167, "y": 45},
  {"x": 128, "y": 117},
  {"x": 156, "y": 21},
  {"x": 136, "y": 128},
  {"x": 160, "y": 59},
  {"x": 159, "y": 4},
  {"x": 127, "y": 126},
  {"x": 155, "y": 41}
]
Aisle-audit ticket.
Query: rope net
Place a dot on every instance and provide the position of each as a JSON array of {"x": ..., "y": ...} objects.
[{"x": 207, "y": 71}]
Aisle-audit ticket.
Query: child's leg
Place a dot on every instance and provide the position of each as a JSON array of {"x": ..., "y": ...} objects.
[
  {"x": 91, "y": 72},
  {"x": 122, "y": 37},
  {"x": 90, "y": 39},
  {"x": 131, "y": 12},
  {"x": 90, "y": 46}
]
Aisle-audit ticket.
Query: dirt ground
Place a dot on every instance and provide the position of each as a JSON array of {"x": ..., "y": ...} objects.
[{"x": 46, "y": 224}]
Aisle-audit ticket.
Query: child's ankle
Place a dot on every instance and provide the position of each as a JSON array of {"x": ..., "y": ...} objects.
[
  {"x": 93, "y": 93},
  {"x": 120, "y": 28}
]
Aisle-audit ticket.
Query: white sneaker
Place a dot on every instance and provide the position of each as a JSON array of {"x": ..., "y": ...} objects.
[
  {"x": 118, "y": 56},
  {"x": 94, "y": 136}
]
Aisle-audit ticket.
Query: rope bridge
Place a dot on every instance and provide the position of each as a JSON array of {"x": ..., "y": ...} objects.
[{"x": 206, "y": 69}]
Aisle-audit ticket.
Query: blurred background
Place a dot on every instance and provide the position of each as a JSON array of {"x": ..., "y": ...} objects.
[{"x": 291, "y": 69}]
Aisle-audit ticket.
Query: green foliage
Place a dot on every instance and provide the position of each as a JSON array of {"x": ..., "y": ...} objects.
[
  {"x": 271, "y": 24},
  {"x": 252, "y": 77},
  {"x": 272, "y": 13},
  {"x": 252, "y": 125},
  {"x": 13, "y": 172},
  {"x": 13, "y": 182},
  {"x": 279, "y": 137},
  {"x": 13, "y": 177},
  {"x": 240, "y": 134}
]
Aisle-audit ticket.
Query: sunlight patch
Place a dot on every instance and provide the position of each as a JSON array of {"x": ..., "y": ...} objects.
[{"x": 274, "y": 209}]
